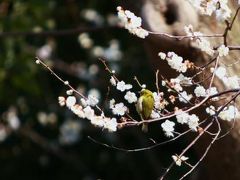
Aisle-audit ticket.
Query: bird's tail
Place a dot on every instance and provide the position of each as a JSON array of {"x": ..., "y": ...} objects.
[{"x": 145, "y": 127}]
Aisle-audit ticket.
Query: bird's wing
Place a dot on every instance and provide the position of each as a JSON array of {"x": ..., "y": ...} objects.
[{"x": 147, "y": 104}]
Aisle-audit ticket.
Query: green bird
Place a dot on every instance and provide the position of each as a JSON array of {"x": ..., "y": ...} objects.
[{"x": 145, "y": 106}]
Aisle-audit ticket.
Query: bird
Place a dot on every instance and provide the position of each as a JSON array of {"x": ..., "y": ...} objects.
[{"x": 145, "y": 106}]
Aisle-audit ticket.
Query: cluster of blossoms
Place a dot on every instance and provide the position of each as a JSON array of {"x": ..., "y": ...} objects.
[
  {"x": 229, "y": 113},
  {"x": 119, "y": 108},
  {"x": 174, "y": 61},
  {"x": 203, "y": 44},
  {"x": 111, "y": 53},
  {"x": 178, "y": 82},
  {"x": 200, "y": 91},
  {"x": 209, "y": 7},
  {"x": 182, "y": 118},
  {"x": 85, "y": 110},
  {"x": 191, "y": 120},
  {"x": 199, "y": 42},
  {"x": 229, "y": 81},
  {"x": 131, "y": 22},
  {"x": 168, "y": 128},
  {"x": 223, "y": 50},
  {"x": 159, "y": 103}
]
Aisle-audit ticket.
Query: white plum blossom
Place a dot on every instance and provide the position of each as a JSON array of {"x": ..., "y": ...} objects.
[
  {"x": 185, "y": 118},
  {"x": 229, "y": 113},
  {"x": 111, "y": 125},
  {"x": 178, "y": 160},
  {"x": 84, "y": 102},
  {"x": 221, "y": 72},
  {"x": 200, "y": 91},
  {"x": 232, "y": 82},
  {"x": 224, "y": 12},
  {"x": 70, "y": 101},
  {"x": 184, "y": 80},
  {"x": 219, "y": 7},
  {"x": 78, "y": 110},
  {"x": 94, "y": 92},
  {"x": 104, "y": 122},
  {"x": 193, "y": 122},
  {"x": 176, "y": 62},
  {"x": 212, "y": 91},
  {"x": 122, "y": 86},
  {"x": 204, "y": 45},
  {"x": 175, "y": 83},
  {"x": 157, "y": 100},
  {"x": 155, "y": 115},
  {"x": 168, "y": 128},
  {"x": 89, "y": 112},
  {"x": 184, "y": 97},
  {"x": 131, "y": 22},
  {"x": 182, "y": 117},
  {"x": 130, "y": 97},
  {"x": 140, "y": 32},
  {"x": 92, "y": 100},
  {"x": 211, "y": 110},
  {"x": 223, "y": 50},
  {"x": 98, "y": 121},
  {"x": 69, "y": 92},
  {"x": 162, "y": 55},
  {"x": 119, "y": 109}
]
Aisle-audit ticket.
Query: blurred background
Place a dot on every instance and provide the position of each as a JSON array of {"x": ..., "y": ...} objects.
[{"x": 38, "y": 138}]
